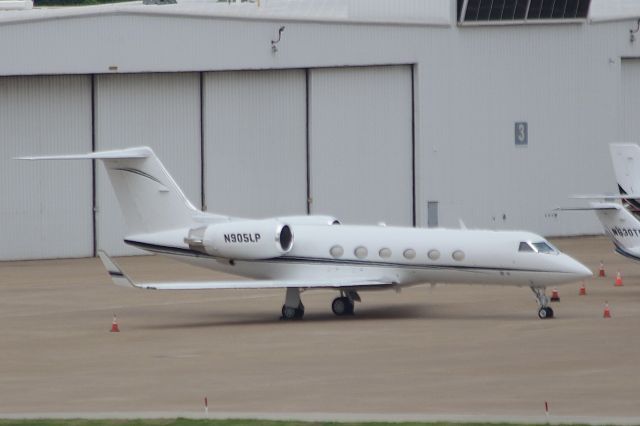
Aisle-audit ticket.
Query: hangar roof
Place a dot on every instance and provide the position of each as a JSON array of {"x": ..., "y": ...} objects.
[
  {"x": 421, "y": 12},
  {"x": 416, "y": 12},
  {"x": 611, "y": 10}
]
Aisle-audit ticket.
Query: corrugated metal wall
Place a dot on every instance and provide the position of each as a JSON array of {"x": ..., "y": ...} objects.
[
  {"x": 471, "y": 85},
  {"x": 157, "y": 110},
  {"x": 255, "y": 143},
  {"x": 45, "y": 207},
  {"x": 629, "y": 112},
  {"x": 361, "y": 144}
]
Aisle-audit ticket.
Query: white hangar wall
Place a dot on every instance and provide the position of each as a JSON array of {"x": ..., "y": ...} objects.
[
  {"x": 563, "y": 81},
  {"x": 45, "y": 208},
  {"x": 208, "y": 94}
]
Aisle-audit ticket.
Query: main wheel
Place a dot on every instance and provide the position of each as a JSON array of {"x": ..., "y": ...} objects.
[
  {"x": 288, "y": 312},
  {"x": 549, "y": 312},
  {"x": 339, "y": 306},
  {"x": 342, "y": 306}
]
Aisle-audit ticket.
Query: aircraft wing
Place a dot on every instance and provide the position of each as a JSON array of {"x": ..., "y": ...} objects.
[{"x": 123, "y": 280}]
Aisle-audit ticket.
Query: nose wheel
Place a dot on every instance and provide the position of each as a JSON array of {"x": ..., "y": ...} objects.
[{"x": 545, "y": 311}]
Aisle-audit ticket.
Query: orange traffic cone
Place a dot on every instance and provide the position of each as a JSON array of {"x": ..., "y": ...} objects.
[
  {"x": 601, "y": 271},
  {"x": 583, "y": 290},
  {"x": 618, "y": 280},
  {"x": 607, "y": 311},
  {"x": 555, "y": 296},
  {"x": 114, "y": 325}
]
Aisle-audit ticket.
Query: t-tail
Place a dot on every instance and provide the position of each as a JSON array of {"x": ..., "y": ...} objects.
[
  {"x": 626, "y": 166},
  {"x": 150, "y": 199}
]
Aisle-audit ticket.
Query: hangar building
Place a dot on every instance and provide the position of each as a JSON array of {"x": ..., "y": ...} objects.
[{"x": 408, "y": 112}]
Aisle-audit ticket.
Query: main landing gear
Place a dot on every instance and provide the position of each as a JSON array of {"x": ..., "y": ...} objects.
[
  {"x": 543, "y": 301},
  {"x": 293, "y": 307},
  {"x": 344, "y": 305},
  {"x": 341, "y": 306}
]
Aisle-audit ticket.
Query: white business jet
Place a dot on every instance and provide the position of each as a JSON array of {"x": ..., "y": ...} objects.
[
  {"x": 621, "y": 219},
  {"x": 299, "y": 253}
]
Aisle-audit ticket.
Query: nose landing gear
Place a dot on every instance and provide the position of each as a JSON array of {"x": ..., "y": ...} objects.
[{"x": 545, "y": 311}]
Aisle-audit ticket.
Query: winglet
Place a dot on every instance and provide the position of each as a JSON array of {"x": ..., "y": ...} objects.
[{"x": 117, "y": 275}]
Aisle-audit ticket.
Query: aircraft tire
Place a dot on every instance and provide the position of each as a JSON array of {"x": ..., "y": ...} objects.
[
  {"x": 545, "y": 313},
  {"x": 289, "y": 313},
  {"x": 342, "y": 306},
  {"x": 338, "y": 306}
]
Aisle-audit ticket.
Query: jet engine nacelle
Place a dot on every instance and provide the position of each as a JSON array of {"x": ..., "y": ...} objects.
[{"x": 246, "y": 239}]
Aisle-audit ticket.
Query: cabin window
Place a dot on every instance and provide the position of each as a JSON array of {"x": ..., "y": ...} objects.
[
  {"x": 409, "y": 253},
  {"x": 458, "y": 255},
  {"x": 525, "y": 247},
  {"x": 336, "y": 251},
  {"x": 385, "y": 253},
  {"x": 360, "y": 252},
  {"x": 434, "y": 254}
]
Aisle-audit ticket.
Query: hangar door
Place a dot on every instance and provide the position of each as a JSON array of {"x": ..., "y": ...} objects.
[
  {"x": 46, "y": 206},
  {"x": 361, "y": 144},
  {"x": 629, "y": 127},
  {"x": 255, "y": 143},
  {"x": 157, "y": 110}
]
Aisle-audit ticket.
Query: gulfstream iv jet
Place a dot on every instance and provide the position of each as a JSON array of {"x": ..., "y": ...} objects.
[{"x": 300, "y": 253}]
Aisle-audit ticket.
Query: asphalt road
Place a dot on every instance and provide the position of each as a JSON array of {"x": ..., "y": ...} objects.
[{"x": 458, "y": 351}]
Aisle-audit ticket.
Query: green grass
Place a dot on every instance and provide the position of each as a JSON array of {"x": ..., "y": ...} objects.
[
  {"x": 47, "y": 3},
  {"x": 187, "y": 422}
]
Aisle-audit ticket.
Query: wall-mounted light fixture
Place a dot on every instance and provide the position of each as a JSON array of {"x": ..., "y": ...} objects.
[
  {"x": 632, "y": 32},
  {"x": 274, "y": 48}
]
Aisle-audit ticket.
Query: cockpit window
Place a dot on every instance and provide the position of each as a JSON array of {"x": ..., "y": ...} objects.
[
  {"x": 525, "y": 247},
  {"x": 543, "y": 247}
]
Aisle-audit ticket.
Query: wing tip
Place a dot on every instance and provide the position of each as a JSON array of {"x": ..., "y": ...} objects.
[{"x": 117, "y": 275}]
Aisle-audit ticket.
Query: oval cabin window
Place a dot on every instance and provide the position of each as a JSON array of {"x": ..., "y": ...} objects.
[
  {"x": 360, "y": 252},
  {"x": 409, "y": 253},
  {"x": 458, "y": 255},
  {"x": 434, "y": 254},
  {"x": 385, "y": 253},
  {"x": 336, "y": 251}
]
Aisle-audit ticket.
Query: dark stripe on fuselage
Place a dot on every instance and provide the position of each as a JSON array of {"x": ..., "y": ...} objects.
[
  {"x": 625, "y": 253},
  {"x": 290, "y": 259},
  {"x": 116, "y": 274}
]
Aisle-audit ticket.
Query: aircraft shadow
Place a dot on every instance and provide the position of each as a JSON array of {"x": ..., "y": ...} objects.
[{"x": 386, "y": 313}]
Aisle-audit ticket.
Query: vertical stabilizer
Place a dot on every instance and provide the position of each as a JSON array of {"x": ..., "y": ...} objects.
[
  {"x": 150, "y": 199},
  {"x": 626, "y": 166}
]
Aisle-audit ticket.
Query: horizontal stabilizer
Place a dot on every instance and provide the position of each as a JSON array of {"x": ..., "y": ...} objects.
[
  {"x": 590, "y": 209},
  {"x": 123, "y": 280},
  {"x": 604, "y": 196},
  {"x": 140, "y": 152}
]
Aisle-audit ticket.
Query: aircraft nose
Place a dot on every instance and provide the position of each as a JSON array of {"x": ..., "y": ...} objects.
[{"x": 578, "y": 269}]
